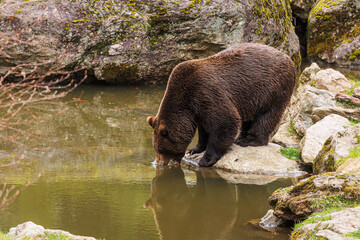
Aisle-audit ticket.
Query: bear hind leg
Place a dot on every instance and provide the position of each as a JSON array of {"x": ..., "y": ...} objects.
[{"x": 261, "y": 128}]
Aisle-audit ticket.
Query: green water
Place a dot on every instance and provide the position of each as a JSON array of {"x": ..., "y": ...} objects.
[{"x": 91, "y": 174}]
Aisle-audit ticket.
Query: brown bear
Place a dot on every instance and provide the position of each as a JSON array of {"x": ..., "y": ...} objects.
[{"x": 237, "y": 95}]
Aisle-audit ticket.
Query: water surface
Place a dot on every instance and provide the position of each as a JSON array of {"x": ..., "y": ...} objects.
[{"x": 97, "y": 178}]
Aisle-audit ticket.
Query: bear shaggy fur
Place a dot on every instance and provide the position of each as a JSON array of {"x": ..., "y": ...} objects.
[{"x": 237, "y": 95}]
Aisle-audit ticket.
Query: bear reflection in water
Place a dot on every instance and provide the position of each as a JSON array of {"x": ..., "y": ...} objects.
[{"x": 210, "y": 209}]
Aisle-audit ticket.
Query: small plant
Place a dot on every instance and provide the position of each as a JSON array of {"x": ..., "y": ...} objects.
[
  {"x": 333, "y": 203},
  {"x": 353, "y": 121},
  {"x": 355, "y": 83},
  {"x": 355, "y": 152},
  {"x": 292, "y": 153},
  {"x": 355, "y": 234}
]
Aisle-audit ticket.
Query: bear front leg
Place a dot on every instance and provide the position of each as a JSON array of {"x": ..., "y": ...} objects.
[
  {"x": 202, "y": 142},
  {"x": 219, "y": 143}
]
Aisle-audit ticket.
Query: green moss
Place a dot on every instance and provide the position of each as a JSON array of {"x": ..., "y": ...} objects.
[
  {"x": 355, "y": 234},
  {"x": 292, "y": 153},
  {"x": 354, "y": 55}
]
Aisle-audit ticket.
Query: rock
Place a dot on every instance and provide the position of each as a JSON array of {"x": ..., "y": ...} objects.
[
  {"x": 244, "y": 178},
  {"x": 348, "y": 99},
  {"x": 310, "y": 105},
  {"x": 333, "y": 33},
  {"x": 297, "y": 202},
  {"x": 270, "y": 220},
  {"x": 337, "y": 225},
  {"x": 351, "y": 166},
  {"x": 285, "y": 136},
  {"x": 331, "y": 80},
  {"x": 308, "y": 75},
  {"x": 141, "y": 42},
  {"x": 356, "y": 92},
  {"x": 316, "y": 135},
  {"x": 336, "y": 149},
  {"x": 29, "y": 229},
  {"x": 302, "y": 8},
  {"x": 259, "y": 160}
]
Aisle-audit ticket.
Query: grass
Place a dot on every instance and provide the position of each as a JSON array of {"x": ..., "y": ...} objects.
[
  {"x": 355, "y": 82},
  {"x": 355, "y": 152},
  {"x": 355, "y": 234},
  {"x": 333, "y": 203},
  {"x": 313, "y": 219},
  {"x": 292, "y": 153},
  {"x": 353, "y": 121}
]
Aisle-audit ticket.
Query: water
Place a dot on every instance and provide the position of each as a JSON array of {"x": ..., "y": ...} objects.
[{"x": 91, "y": 174}]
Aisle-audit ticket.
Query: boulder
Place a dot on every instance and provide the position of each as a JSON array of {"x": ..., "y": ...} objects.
[
  {"x": 308, "y": 75},
  {"x": 351, "y": 166},
  {"x": 271, "y": 221},
  {"x": 317, "y": 134},
  {"x": 29, "y": 229},
  {"x": 310, "y": 105},
  {"x": 336, "y": 149},
  {"x": 297, "y": 202},
  {"x": 352, "y": 101},
  {"x": 286, "y": 136},
  {"x": 333, "y": 33},
  {"x": 356, "y": 92},
  {"x": 265, "y": 160},
  {"x": 331, "y": 80},
  {"x": 141, "y": 41},
  {"x": 337, "y": 225}
]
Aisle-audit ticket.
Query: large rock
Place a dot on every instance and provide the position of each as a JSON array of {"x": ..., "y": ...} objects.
[
  {"x": 336, "y": 149},
  {"x": 351, "y": 166},
  {"x": 265, "y": 160},
  {"x": 333, "y": 33},
  {"x": 286, "y": 136},
  {"x": 30, "y": 229},
  {"x": 140, "y": 41},
  {"x": 308, "y": 75},
  {"x": 338, "y": 225},
  {"x": 331, "y": 80},
  {"x": 310, "y": 105},
  {"x": 316, "y": 135},
  {"x": 297, "y": 202}
]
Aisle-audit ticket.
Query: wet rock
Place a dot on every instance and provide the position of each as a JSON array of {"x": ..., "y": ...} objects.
[
  {"x": 308, "y": 75},
  {"x": 124, "y": 43},
  {"x": 316, "y": 135},
  {"x": 331, "y": 80},
  {"x": 271, "y": 221},
  {"x": 336, "y": 225},
  {"x": 333, "y": 33},
  {"x": 296, "y": 203},
  {"x": 285, "y": 136},
  {"x": 336, "y": 149},
  {"x": 259, "y": 160},
  {"x": 356, "y": 92},
  {"x": 302, "y": 8},
  {"x": 29, "y": 229},
  {"x": 310, "y": 105},
  {"x": 348, "y": 99},
  {"x": 351, "y": 166}
]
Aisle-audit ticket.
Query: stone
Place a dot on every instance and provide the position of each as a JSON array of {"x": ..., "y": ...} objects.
[
  {"x": 265, "y": 160},
  {"x": 348, "y": 99},
  {"x": 333, "y": 33},
  {"x": 296, "y": 203},
  {"x": 309, "y": 105},
  {"x": 316, "y": 135},
  {"x": 331, "y": 80},
  {"x": 336, "y": 149},
  {"x": 351, "y": 166},
  {"x": 140, "y": 42},
  {"x": 29, "y": 229},
  {"x": 308, "y": 75},
  {"x": 286, "y": 137},
  {"x": 336, "y": 225},
  {"x": 356, "y": 92},
  {"x": 270, "y": 220}
]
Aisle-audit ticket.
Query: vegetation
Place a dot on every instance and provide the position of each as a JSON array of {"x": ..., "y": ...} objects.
[
  {"x": 355, "y": 82},
  {"x": 355, "y": 234},
  {"x": 292, "y": 153},
  {"x": 333, "y": 203},
  {"x": 354, "y": 152}
]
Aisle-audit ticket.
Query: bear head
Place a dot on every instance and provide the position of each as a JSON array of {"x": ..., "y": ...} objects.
[{"x": 168, "y": 143}]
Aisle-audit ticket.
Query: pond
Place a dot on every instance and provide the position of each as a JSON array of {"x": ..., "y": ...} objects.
[{"x": 91, "y": 174}]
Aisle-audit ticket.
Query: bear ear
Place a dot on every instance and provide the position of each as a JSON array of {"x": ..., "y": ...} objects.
[
  {"x": 163, "y": 131},
  {"x": 150, "y": 121}
]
